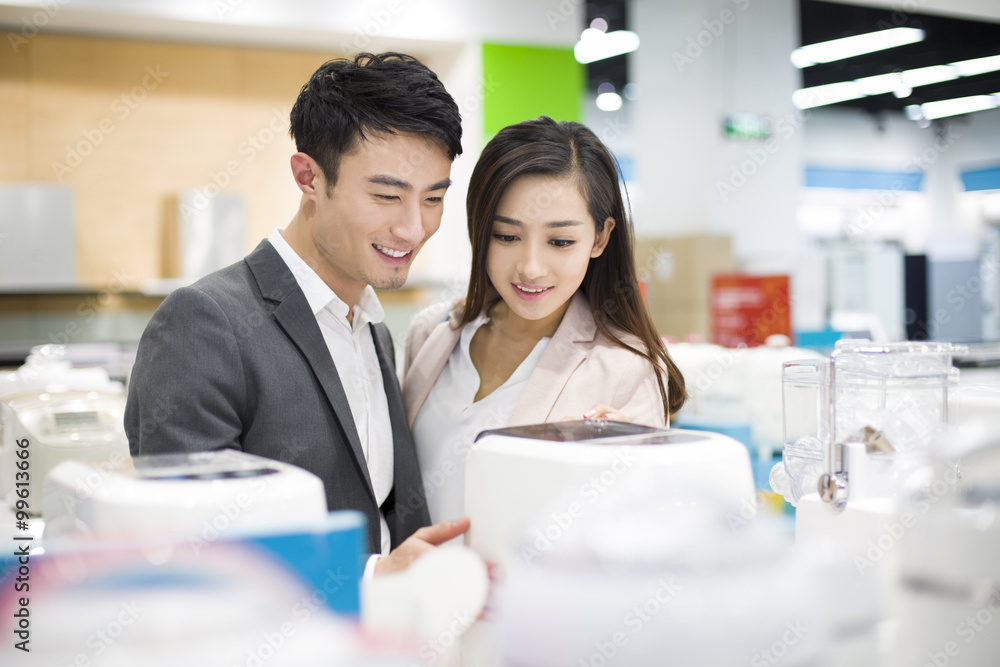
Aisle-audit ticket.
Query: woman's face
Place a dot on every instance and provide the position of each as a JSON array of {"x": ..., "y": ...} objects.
[{"x": 542, "y": 241}]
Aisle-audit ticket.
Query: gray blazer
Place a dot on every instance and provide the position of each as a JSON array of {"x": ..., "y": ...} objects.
[{"x": 237, "y": 360}]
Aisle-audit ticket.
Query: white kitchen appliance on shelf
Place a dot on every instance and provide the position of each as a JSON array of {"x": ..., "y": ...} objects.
[
  {"x": 45, "y": 428},
  {"x": 62, "y": 411},
  {"x": 203, "y": 495},
  {"x": 859, "y": 432},
  {"x": 526, "y": 485},
  {"x": 948, "y": 600}
]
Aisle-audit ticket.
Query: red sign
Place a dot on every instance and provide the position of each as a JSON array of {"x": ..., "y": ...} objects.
[{"x": 748, "y": 309}]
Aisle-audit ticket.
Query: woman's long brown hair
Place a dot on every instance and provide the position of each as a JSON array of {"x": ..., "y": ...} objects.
[{"x": 545, "y": 147}]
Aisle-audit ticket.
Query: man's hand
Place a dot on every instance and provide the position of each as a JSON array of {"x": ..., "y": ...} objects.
[{"x": 419, "y": 543}]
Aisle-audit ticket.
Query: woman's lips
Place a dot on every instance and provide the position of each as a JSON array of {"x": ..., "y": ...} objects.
[{"x": 530, "y": 292}]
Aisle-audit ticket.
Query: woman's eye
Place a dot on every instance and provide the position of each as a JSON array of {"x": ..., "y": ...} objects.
[
  {"x": 505, "y": 238},
  {"x": 562, "y": 243}
]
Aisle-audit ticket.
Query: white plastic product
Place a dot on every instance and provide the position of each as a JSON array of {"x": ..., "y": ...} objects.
[
  {"x": 741, "y": 385},
  {"x": 651, "y": 574},
  {"x": 948, "y": 602},
  {"x": 48, "y": 427},
  {"x": 47, "y": 369},
  {"x": 538, "y": 480},
  {"x": 205, "y": 495}
]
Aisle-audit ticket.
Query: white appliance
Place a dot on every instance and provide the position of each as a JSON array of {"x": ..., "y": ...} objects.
[
  {"x": 201, "y": 496},
  {"x": 48, "y": 427},
  {"x": 730, "y": 386},
  {"x": 526, "y": 486},
  {"x": 860, "y": 430},
  {"x": 88, "y": 392}
]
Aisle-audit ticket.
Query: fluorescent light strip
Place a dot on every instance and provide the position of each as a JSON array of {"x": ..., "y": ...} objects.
[
  {"x": 848, "y": 47},
  {"x": 832, "y": 93},
  {"x": 953, "y": 107},
  {"x": 595, "y": 45}
]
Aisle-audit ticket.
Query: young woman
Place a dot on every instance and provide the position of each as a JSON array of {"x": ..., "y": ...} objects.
[{"x": 553, "y": 325}]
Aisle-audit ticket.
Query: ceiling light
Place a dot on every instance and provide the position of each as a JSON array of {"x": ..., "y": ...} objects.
[
  {"x": 977, "y": 66},
  {"x": 901, "y": 84},
  {"x": 807, "y": 98},
  {"x": 609, "y": 101},
  {"x": 848, "y": 47},
  {"x": 925, "y": 76},
  {"x": 959, "y": 105},
  {"x": 595, "y": 45}
]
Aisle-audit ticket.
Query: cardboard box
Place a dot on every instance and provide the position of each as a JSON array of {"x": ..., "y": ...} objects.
[
  {"x": 681, "y": 267},
  {"x": 681, "y": 319}
]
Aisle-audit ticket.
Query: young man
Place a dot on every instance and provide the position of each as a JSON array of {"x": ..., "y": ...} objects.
[{"x": 284, "y": 354}]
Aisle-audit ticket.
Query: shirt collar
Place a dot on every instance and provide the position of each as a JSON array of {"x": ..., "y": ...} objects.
[{"x": 318, "y": 293}]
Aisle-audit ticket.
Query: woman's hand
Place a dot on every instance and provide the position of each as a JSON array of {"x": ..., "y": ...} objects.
[{"x": 601, "y": 411}]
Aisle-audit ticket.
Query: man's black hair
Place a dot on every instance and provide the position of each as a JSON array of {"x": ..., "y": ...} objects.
[{"x": 347, "y": 99}]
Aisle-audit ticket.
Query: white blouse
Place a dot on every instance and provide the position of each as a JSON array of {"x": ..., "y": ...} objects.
[{"x": 450, "y": 419}]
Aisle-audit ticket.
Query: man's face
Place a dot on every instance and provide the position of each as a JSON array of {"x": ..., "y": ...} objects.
[{"x": 386, "y": 203}]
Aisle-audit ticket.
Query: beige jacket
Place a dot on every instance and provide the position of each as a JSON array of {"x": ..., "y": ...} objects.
[{"x": 579, "y": 368}]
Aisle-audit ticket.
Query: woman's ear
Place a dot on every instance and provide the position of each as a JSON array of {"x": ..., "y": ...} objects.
[
  {"x": 307, "y": 174},
  {"x": 603, "y": 236}
]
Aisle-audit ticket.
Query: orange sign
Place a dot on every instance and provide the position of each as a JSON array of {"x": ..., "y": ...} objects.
[{"x": 747, "y": 309}]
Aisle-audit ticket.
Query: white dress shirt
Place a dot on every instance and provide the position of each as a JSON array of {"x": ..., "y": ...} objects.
[
  {"x": 451, "y": 418},
  {"x": 353, "y": 350}
]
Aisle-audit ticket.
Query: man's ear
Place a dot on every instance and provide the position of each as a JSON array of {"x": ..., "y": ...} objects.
[
  {"x": 307, "y": 174},
  {"x": 601, "y": 242}
]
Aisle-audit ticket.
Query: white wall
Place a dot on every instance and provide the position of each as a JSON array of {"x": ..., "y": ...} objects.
[
  {"x": 698, "y": 62},
  {"x": 937, "y": 219}
]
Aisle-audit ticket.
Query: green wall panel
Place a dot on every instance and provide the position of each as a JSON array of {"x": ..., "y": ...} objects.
[{"x": 530, "y": 81}]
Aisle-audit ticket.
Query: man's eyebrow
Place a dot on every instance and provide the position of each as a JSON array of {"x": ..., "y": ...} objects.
[
  {"x": 391, "y": 181},
  {"x": 394, "y": 182},
  {"x": 553, "y": 224}
]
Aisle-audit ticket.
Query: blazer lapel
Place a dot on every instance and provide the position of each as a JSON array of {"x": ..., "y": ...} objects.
[
  {"x": 427, "y": 366},
  {"x": 562, "y": 356},
  {"x": 294, "y": 316}
]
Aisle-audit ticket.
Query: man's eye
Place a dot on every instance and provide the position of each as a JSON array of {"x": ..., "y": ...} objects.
[
  {"x": 387, "y": 197},
  {"x": 435, "y": 200}
]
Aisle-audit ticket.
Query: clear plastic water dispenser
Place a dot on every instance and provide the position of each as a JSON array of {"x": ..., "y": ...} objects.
[{"x": 888, "y": 399}]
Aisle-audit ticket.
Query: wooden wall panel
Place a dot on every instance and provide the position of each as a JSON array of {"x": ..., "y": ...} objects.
[{"x": 130, "y": 124}]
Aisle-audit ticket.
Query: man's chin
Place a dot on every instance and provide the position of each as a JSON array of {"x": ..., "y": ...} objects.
[{"x": 390, "y": 282}]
